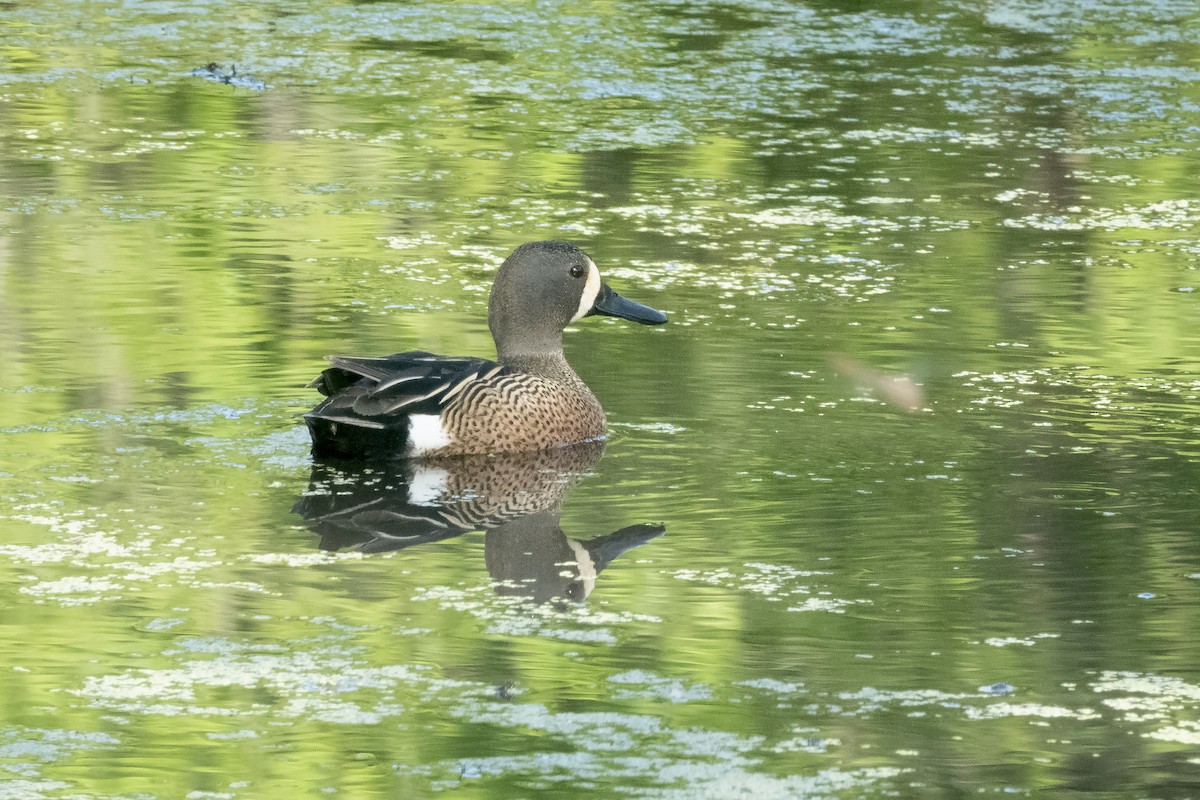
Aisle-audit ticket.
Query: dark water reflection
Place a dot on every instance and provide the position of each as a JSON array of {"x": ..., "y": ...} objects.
[{"x": 515, "y": 498}]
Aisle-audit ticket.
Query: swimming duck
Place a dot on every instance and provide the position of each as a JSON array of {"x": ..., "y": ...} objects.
[{"x": 418, "y": 404}]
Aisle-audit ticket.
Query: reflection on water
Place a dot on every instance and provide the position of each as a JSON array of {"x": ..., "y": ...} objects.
[{"x": 515, "y": 498}]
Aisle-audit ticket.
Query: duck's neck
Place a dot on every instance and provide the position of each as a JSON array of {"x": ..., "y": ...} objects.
[{"x": 546, "y": 365}]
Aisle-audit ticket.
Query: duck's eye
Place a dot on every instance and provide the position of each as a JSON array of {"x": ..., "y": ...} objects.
[{"x": 577, "y": 270}]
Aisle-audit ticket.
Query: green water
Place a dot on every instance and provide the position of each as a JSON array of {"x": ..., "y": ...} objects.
[{"x": 986, "y": 211}]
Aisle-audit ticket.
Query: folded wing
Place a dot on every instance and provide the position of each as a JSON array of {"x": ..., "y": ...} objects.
[{"x": 383, "y": 392}]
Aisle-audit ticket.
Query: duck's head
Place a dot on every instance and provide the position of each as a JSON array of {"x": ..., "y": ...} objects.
[{"x": 545, "y": 286}]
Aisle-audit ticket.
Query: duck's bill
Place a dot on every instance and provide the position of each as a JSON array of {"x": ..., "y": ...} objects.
[{"x": 612, "y": 304}]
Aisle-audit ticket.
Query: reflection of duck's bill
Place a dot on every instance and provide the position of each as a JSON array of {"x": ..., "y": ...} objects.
[
  {"x": 532, "y": 558},
  {"x": 592, "y": 556},
  {"x": 603, "y": 549},
  {"x": 612, "y": 304}
]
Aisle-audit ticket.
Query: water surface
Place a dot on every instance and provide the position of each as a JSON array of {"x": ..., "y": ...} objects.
[{"x": 902, "y": 502}]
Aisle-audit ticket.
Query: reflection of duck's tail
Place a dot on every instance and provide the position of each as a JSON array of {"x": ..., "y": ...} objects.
[
  {"x": 373, "y": 527},
  {"x": 604, "y": 549}
]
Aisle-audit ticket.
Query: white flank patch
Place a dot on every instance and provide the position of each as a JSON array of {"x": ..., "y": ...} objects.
[
  {"x": 426, "y": 434},
  {"x": 587, "y": 567},
  {"x": 427, "y": 486},
  {"x": 590, "y": 290}
]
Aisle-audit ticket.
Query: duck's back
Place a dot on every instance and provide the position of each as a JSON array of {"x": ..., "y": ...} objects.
[{"x": 417, "y": 404}]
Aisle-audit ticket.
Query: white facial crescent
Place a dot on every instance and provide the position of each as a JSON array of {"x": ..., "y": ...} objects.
[{"x": 591, "y": 290}]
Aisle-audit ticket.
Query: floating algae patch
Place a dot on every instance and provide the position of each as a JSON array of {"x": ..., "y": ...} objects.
[
  {"x": 315, "y": 681},
  {"x": 1097, "y": 409},
  {"x": 26, "y": 752},
  {"x": 1169, "y": 706},
  {"x": 1176, "y": 214},
  {"x": 650, "y": 686},
  {"x": 782, "y": 688},
  {"x": 22, "y": 789},
  {"x": 1024, "y": 641},
  {"x": 775, "y": 583},
  {"x": 105, "y": 563},
  {"x": 642, "y": 756},
  {"x": 814, "y": 216},
  {"x": 285, "y": 450},
  {"x": 1183, "y": 733},
  {"x": 77, "y": 537},
  {"x": 1030, "y": 711},
  {"x": 517, "y": 616},
  {"x": 982, "y": 704},
  {"x": 869, "y": 700},
  {"x": 23, "y": 751},
  {"x": 327, "y": 684}
]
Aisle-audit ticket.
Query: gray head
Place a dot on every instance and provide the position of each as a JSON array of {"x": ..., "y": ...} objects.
[{"x": 542, "y": 288}]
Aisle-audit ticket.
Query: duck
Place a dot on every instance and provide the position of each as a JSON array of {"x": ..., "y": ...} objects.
[{"x": 420, "y": 405}]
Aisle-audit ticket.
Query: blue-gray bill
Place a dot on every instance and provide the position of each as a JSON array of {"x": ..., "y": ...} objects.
[{"x": 612, "y": 304}]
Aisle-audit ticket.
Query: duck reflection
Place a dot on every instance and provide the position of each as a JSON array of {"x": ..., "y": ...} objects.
[{"x": 515, "y": 498}]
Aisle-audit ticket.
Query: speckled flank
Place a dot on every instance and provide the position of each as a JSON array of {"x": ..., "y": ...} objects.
[{"x": 521, "y": 412}]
